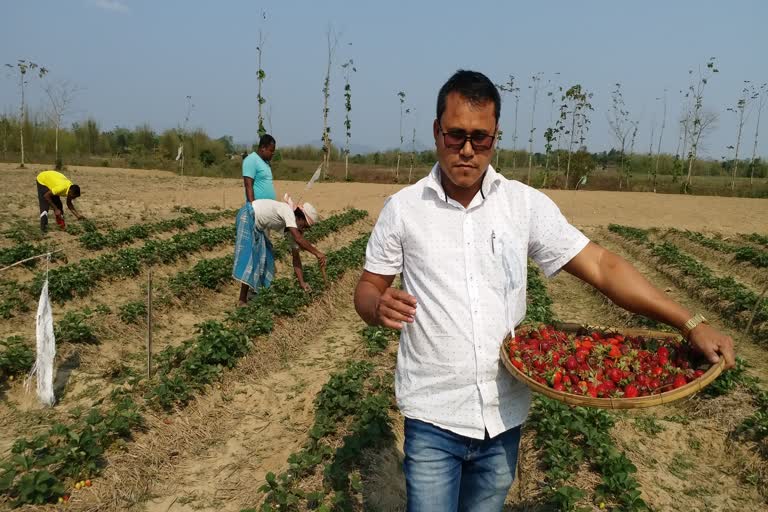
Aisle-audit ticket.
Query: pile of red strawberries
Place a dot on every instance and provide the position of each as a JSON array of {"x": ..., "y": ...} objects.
[{"x": 603, "y": 365}]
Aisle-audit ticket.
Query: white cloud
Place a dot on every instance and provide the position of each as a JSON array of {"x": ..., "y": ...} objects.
[{"x": 110, "y": 5}]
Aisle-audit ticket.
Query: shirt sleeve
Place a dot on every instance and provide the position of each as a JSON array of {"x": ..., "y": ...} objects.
[
  {"x": 384, "y": 254},
  {"x": 249, "y": 168},
  {"x": 553, "y": 241},
  {"x": 287, "y": 214}
]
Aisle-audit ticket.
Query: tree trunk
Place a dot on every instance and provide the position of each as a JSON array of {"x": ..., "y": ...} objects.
[
  {"x": 346, "y": 166},
  {"x": 21, "y": 121},
  {"x": 754, "y": 148},
  {"x": 570, "y": 148},
  {"x": 736, "y": 154}
]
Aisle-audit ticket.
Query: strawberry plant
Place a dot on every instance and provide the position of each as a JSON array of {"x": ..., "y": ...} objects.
[
  {"x": 758, "y": 239},
  {"x": 133, "y": 312},
  {"x": 16, "y": 358},
  {"x": 74, "y": 328},
  {"x": 756, "y": 257},
  {"x": 37, "y": 469},
  {"x": 569, "y": 436},
  {"x": 377, "y": 338},
  {"x": 94, "y": 240}
]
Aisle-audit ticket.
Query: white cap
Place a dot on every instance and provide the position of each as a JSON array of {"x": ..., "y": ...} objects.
[{"x": 310, "y": 212}]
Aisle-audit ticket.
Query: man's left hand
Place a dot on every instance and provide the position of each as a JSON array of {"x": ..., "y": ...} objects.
[{"x": 713, "y": 344}]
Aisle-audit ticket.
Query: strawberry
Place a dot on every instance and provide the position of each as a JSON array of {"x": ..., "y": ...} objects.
[
  {"x": 630, "y": 391},
  {"x": 679, "y": 381}
]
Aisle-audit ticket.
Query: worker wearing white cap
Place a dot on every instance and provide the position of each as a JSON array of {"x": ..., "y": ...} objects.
[{"x": 254, "y": 264}]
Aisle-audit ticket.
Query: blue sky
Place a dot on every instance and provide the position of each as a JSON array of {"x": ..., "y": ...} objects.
[{"x": 137, "y": 60}]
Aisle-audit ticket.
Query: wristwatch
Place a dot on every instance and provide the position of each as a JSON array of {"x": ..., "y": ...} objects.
[{"x": 695, "y": 320}]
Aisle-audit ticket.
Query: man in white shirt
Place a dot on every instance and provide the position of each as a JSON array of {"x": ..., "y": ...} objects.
[
  {"x": 254, "y": 264},
  {"x": 460, "y": 238}
]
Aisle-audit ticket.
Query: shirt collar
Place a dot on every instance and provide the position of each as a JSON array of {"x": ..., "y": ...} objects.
[{"x": 433, "y": 182}]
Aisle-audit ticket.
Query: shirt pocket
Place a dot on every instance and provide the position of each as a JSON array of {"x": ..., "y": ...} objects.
[{"x": 514, "y": 272}]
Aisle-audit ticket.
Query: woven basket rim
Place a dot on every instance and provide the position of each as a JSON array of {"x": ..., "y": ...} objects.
[{"x": 664, "y": 398}]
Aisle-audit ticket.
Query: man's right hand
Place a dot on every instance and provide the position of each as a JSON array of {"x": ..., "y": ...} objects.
[{"x": 395, "y": 307}]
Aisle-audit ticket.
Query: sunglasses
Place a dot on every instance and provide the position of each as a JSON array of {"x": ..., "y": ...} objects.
[{"x": 455, "y": 139}]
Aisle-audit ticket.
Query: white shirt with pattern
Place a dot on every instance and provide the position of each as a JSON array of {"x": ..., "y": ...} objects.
[{"x": 467, "y": 269}]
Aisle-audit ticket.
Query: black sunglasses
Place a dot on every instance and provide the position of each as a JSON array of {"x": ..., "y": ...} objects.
[{"x": 455, "y": 139}]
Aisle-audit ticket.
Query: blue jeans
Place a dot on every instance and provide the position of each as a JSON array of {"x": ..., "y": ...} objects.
[{"x": 447, "y": 472}]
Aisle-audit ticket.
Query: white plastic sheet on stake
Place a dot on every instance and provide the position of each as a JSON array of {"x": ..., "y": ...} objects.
[{"x": 46, "y": 348}]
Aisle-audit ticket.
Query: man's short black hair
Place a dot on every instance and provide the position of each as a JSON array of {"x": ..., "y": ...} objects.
[
  {"x": 474, "y": 86},
  {"x": 266, "y": 140},
  {"x": 74, "y": 190}
]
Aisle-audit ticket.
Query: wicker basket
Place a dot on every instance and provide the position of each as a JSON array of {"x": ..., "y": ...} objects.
[{"x": 611, "y": 403}]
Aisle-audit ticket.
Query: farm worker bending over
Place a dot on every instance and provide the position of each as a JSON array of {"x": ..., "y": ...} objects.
[
  {"x": 254, "y": 263},
  {"x": 51, "y": 187},
  {"x": 257, "y": 174},
  {"x": 461, "y": 237}
]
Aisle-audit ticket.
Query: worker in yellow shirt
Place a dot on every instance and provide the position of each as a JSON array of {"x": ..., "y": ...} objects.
[{"x": 51, "y": 187}]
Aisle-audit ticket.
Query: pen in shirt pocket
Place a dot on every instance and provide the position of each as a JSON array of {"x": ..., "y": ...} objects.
[{"x": 493, "y": 239}]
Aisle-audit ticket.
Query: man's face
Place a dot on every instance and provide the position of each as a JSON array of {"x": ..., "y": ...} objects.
[
  {"x": 464, "y": 166},
  {"x": 267, "y": 152}
]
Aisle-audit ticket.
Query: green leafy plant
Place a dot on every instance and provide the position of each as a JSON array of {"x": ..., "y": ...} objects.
[{"x": 74, "y": 328}]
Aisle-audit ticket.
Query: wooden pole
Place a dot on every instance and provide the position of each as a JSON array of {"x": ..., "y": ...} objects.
[{"x": 149, "y": 325}]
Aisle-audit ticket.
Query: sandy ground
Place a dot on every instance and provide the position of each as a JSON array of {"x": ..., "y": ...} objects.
[
  {"x": 122, "y": 194},
  {"x": 214, "y": 455}
]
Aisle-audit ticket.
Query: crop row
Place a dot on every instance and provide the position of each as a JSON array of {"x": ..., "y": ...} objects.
[
  {"x": 758, "y": 239},
  {"x": 738, "y": 303},
  {"x": 571, "y": 436},
  {"x": 355, "y": 402},
  {"x": 39, "y": 467},
  {"x": 756, "y": 257},
  {"x": 94, "y": 240}
]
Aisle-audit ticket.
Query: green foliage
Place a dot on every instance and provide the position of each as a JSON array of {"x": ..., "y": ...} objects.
[
  {"x": 37, "y": 467},
  {"x": 74, "y": 328},
  {"x": 14, "y": 298},
  {"x": 730, "y": 380},
  {"x": 356, "y": 399},
  {"x": 133, "y": 312},
  {"x": 630, "y": 233},
  {"x": 649, "y": 425},
  {"x": 539, "y": 307},
  {"x": 94, "y": 240},
  {"x": 16, "y": 358},
  {"x": 756, "y": 257},
  {"x": 77, "y": 279},
  {"x": 378, "y": 338}
]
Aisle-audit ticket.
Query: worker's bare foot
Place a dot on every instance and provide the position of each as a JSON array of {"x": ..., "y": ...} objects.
[{"x": 241, "y": 304}]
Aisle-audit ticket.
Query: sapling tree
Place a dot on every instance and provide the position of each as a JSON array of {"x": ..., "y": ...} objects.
[
  {"x": 261, "y": 75},
  {"x": 403, "y": 112},
  {"x": 413, "y": 155},
  {"x": 23, "y": 67},
  {"x": 61, "y": 96},
  {"x": 332, "y": 39},
  {"x": 577, "y": 102},
  {"x": 349, "y": 68},
  {"x": 762, "y": 97},
  {"x": 534, "y": 86},
  {"x": 658, "y": 147},
  {"x": 745, "y": 98},
  {"x": 696, "y": 92},
  {"x": 621, "y": 127},
  {"x": 183, "y": 133}
]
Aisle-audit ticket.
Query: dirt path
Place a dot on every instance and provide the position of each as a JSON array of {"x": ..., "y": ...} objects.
[{"x": 214, "y": 454}]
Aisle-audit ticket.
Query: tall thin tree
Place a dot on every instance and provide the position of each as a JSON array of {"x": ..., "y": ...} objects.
[
  {"x": 762, "y": 97},
  {"x": 23, "y": 67},
  {"x": 61, "y": 96},
  {"x": 696, "y": 92},
  {"x": 261, "y": 75},
  {"x": 403, "y": 111},
  {"x": 332, "y": 39},
  {"x": 349, "y": 68},
  {"x": 534, "y": 86},
  {"x": 658, "y": 147}
]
